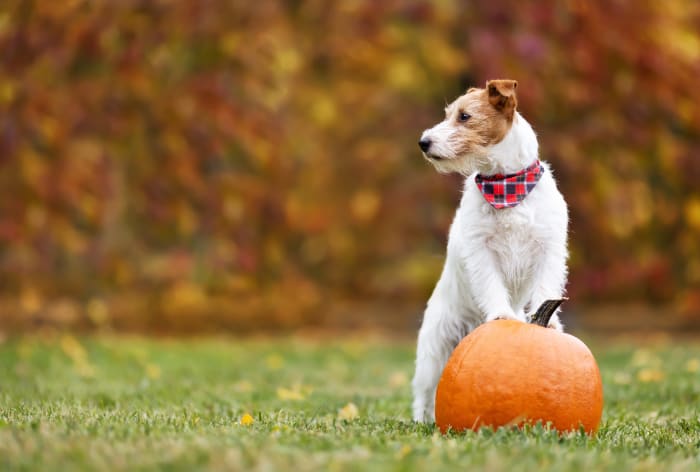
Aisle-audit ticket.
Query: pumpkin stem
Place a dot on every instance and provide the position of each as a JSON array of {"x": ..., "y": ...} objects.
[{"x": 545, "y": 311}]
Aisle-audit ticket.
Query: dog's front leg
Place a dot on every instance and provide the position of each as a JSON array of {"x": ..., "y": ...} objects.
[
  {"x": 487, "y": 286},
  {"x": 438, "y": 336}
]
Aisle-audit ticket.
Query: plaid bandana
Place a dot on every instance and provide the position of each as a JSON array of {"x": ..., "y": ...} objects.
[{"x": 506, "y": 191}]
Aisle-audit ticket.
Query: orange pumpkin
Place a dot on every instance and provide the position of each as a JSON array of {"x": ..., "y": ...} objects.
[{"x": 510, "y": 373}]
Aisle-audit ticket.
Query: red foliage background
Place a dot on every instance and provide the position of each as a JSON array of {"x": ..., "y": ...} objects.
[{"x": 200, "y": 165}]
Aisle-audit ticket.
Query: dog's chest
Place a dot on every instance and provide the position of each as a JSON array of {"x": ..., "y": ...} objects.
[{"x": 512, "y": 236}]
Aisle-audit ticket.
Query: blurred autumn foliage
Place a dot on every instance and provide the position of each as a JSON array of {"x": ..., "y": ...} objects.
[{"x": 202, "y": 165}]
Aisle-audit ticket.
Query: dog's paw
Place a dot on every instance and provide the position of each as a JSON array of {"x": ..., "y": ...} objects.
[{"x": 424, "y": 414}]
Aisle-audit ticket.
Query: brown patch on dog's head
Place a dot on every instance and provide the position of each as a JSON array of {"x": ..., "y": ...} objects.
[
  {"x": 473, "y": 122},
  {"x": 502, "y": 96},
  {"x": 488, "y": 122}
]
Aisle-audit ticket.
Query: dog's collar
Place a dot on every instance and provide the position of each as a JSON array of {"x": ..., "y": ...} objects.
[{"x": 507, "y": 191}]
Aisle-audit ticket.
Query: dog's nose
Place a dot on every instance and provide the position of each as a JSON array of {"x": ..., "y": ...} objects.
[{"x": 424, "y": 144}]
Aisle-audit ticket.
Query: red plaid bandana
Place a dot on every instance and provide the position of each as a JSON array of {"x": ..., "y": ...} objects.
[{"x": 506, "y": 191}]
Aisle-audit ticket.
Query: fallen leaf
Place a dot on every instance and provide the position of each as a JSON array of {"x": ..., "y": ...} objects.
[
  {"x": 650, "y": 375},
  {"x": 348, "y": 412},
  {"x": 274, "y": 362},
  {"x": 403, "y": 452},
  {"x": 293, "y": 393},
  {"x": 152, "y": 371},
  {"x": 73, "y": 349}
]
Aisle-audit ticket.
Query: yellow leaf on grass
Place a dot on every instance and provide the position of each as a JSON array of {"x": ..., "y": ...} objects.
[
  {"x": 293, "y": 393},
  {"x": 650, "y": 375},
  {"x": 403, "y": 452},
  {"x": 73, "y": 349},
  {"x": 274, "y": 362},
  {"x": 246, "y": 420},
  {"x": 348, "y": 412},
  {"x": 76, "y": 352},
  {"x": 152, "y": 371}
]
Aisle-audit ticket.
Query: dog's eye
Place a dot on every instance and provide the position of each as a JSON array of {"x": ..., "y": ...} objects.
[{"x": 462, "y": 117}]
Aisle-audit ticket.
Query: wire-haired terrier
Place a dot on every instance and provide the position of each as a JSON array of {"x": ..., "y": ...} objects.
[{"x": 507, "y": 249}]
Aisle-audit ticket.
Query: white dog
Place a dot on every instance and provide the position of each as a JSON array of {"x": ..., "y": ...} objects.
[{"x": 507, "y": 250}]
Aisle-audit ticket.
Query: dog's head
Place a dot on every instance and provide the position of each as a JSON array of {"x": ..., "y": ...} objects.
[{"x": 473, "y": 123}]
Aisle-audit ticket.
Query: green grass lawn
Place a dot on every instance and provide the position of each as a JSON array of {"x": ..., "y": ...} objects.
[{"x": 133, "y": 404}]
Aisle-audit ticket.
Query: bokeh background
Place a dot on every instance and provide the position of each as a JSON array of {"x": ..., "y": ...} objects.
[{"x": 204, "y": 166}]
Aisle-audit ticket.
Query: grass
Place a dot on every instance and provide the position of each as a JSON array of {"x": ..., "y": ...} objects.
[{"x": 135, "y": 404}]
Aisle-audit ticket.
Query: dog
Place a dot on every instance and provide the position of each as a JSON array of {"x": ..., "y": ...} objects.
[{"x": 507, "y": 246}]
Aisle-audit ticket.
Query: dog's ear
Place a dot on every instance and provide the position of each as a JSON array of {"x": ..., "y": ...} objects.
[{"x": 502, "y": 95}]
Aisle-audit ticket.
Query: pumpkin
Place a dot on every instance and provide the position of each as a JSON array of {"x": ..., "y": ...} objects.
[{"x": 509, "y": 373}]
